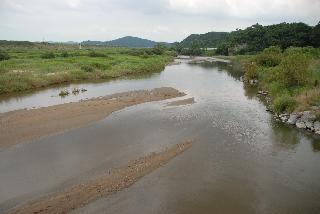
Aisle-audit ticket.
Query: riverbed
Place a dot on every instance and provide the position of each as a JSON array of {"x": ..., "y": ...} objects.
[{"x": 242, "y": 161}]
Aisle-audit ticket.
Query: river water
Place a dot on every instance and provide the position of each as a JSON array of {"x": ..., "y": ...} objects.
[{"x": 243, "y": 160}]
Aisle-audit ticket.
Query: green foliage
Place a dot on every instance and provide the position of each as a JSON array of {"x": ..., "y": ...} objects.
[
  {"x": 65, "y": 54},
  {"x": 48, "y": 55},
  {"x": 309, "y": 52},
  {"x": 315, "y": 36},
  {"x": 291, "y": 77},
  {"x": 222, "y": 49},
  {"x": 4, "y": 55},
  {"x": 96, "y": 54},
  {"x": 209, "y": 40},
  {"x": 294, "y": 70},
  {"x": 88, "y": 68},
  {"x": 257, "y": 37},
  {"x": 159, "y": 49},
  {"x": 284, "y": 103},
  {"x": 269, "y": 57},
  {"x": 100, "y": 66},
  {"x": 177, "y": 47},
  {"x": 251, "y": 71}
]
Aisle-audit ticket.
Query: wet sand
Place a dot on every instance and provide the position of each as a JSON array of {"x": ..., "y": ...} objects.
[
  {"x": 26, "y": 125},
  {"x": 112, "y": 182},
  {"x": 183, "y": 102}
]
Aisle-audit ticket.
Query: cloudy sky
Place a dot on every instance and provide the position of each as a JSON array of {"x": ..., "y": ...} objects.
[{"x": 160, "y": 20}]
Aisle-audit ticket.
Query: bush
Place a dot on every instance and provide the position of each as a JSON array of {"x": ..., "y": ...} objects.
[
  {"x": 284, "y": 103},
  {"x": 158, "y": 49},
  {"x": 100, "y": 66},
  {"x": 96, "y": 54},
  {"x": 4, "y": 56},
  {"x": 65, "y": 54},
  {"x": 294, "y": 70},
  {"x": 269, "y": 57},
  {"x": 251, "y": 71},
  {"x": 309, "y": 52},
  {"x": 48, "y": 55},
  {"x": 87, "y": 68}
]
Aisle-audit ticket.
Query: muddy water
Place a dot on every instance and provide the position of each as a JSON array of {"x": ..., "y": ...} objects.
[{"x": 242, "y": 162}]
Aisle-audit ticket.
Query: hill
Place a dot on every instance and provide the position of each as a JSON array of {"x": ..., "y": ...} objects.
[
  {"x": 208, "y": 40},
  {"x": 257, "y": 37},
  {"x": 127, "y": 41}
]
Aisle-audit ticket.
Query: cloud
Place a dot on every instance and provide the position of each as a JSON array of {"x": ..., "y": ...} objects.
[
  {"x": 244, "y": 9},
  {"x": 161, "y": 20}
]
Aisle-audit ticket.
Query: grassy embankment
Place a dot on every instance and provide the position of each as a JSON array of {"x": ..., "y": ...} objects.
[
  {"x": 292, "y": 77},
  {"x": 38, "y": 65}
]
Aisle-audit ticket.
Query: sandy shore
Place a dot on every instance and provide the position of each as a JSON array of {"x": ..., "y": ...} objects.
[
  {"x": 111, "y": 182},
  {"x": 26, "y": 125}
]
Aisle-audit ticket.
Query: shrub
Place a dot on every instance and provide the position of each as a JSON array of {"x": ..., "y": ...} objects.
[
  {"x": 294, "y": 70},
  {"x": 251, "y": 71},
  {"x": 4, "y": 56},
  {"x": 309, "y": 52},
  {"x": 284, "y": 103},
  {"x": 96, "y": 54},
  {"x": 100, "y": 66},
  {"x": 87, "y": 68},
  {"x": 158, "y": 49},
  {"x": 269, "y": 57},
  {"x": 48, "y": 55},
  {"x": 65, "y": 54}
]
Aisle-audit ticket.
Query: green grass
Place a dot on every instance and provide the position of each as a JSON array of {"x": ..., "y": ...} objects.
[{"x": 38, "y": 66}]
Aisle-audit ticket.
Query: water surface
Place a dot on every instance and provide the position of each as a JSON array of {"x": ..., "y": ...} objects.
[{"x": 243, "y": 161}]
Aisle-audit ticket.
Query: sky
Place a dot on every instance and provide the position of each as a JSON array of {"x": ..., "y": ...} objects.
[{"x": 159, "y": 20}]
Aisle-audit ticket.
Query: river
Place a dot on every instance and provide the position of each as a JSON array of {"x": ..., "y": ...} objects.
[{"x": 242, "y": 161}]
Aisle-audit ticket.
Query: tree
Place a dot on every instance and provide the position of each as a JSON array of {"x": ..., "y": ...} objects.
[
  {"x": 4, "y": 56},
  {"x": 159, "y": 49},
  {"x": 177, "y": 47},
  {"x": 195, "y": 49},
  {"x": 315, "y": 36}
]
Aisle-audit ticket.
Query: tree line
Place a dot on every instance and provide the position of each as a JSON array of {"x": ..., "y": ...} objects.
[{"x": 252, "y": 39}]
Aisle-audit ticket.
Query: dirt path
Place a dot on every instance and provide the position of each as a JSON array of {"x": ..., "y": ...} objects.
[
  {"x": 24, "y": 125},
  {"x": 112, "y": 182}
]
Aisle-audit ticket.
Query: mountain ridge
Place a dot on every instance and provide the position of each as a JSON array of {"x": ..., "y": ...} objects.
[{"x": 127, "y": 41}]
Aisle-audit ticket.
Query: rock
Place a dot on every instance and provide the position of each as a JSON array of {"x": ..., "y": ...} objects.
[
  {"x": 315, "y": 108},
  {"x": 284, "y": 117},
  {"x": 301, "y": 125},
  {"x": 316, "y": 126},
  {"x": 253, "y": 81},
  {"x": 293, "y": 118},
  {"x": 318, "y": 132},
  {"x": 308, "y": 116},
  {"x": 309, "y": 125}
]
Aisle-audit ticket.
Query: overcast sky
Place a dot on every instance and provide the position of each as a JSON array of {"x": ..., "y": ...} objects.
[{"x": 160, "y": 20}]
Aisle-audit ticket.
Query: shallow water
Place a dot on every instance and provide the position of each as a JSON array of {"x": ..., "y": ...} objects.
[{"x": 243, "y": 161}]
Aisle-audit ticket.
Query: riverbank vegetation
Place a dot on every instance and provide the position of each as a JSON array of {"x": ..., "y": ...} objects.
[
  {"x": 292, "y": 76},
  {"x": 26, "y": 65},
  {"x": 250, "y": 40}
]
